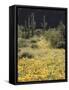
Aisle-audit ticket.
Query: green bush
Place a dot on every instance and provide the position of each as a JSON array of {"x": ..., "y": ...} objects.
[
  {"x": 26, "y": 55},
  {"x": 22, "y": 43},
  {"x": 60, "y": 44},
  {"x": 19, "y": 50},
  {"x": 21, "y": 31},
  {"x": 33, "y": 41},
  {"x": 55, "y": 37},
  {"x": 34, "y": 46}
]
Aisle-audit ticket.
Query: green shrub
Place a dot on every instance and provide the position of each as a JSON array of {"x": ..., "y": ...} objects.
[
  {"x": 60, "y": 44},
  {"x": 26, "y": 54},
  {"x": 34, "y": 46},
  {"x": 19, "y": 50},
  {"x": 33, "y": 41},
  {"x": 25, "y": 45},
  {"x": 21, "y": 31},
  {"x": 22, "y": 43},
  {"x": 55, "y": 37}
]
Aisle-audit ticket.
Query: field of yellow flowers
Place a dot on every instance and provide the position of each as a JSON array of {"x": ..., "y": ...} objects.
[{"x": 47, "y": 64}]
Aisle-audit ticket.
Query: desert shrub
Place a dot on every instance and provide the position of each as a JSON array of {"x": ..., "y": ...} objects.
[
  {"x": 25, "y": 45},
  {"x": 60, "y": 44},
  {"x": 34, "y": 46},
  {"x": 22, "y": 43},
  {"x": 26, "y": 54},
  {"x": 61, "y": 28},
  {"x": 20, "y": 31},
  {"x": 19, "y": 49},
  {"x": 38, "y": 32},
  {"x": 33, "y": 41},
  {"x": 54, "y": 37}
]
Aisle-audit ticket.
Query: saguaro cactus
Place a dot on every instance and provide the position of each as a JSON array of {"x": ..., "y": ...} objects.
[
  {"x": 29, "y": 22},
  {"x": 25, "y": 29},
  {"x": 44, "y": 23},
  {"x": 33, "y": 23},
  {"x": 28, "y": 26}
]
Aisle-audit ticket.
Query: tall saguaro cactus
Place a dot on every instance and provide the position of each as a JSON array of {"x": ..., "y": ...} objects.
[
  {"x": 29, "y": 22},
  {"x": 44, "y": 23},
  {"x": 28, "y": 27},
  {"x": 33, "y": 23},
  {"x": 25, "y": 28}
]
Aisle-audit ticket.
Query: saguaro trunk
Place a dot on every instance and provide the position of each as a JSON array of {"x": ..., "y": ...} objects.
[
  {"x": 32, "y": 23},
  {"x": 44, "y": 23}
]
